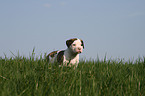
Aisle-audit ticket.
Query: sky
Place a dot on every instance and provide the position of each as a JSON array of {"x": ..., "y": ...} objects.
[{"x": 111, "y": 28}]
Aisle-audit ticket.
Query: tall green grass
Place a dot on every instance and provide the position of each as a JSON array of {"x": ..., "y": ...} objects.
[{"x": 22, "y": 76}]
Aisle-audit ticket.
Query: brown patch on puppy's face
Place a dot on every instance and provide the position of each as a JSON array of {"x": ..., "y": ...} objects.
[
  {"x": 70, "y": 41},
  {"x": 82, "y": 43}
]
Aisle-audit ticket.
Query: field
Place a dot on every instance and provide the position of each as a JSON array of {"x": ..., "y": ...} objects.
[{"x": 21, "y": 76}]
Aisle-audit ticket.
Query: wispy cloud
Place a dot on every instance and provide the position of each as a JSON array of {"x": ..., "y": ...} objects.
[{"x": 47, "y": 5}]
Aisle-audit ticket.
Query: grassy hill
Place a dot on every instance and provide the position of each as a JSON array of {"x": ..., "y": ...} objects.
[{"x": 22, "y": 76}]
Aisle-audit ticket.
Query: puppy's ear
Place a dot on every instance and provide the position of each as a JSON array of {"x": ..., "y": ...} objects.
[
  {"x": 82, "y": 43},
  {"x": 70, "y": 41}
]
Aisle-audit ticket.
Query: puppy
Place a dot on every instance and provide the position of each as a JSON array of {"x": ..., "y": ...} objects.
[{"x": 70, "y": 56}]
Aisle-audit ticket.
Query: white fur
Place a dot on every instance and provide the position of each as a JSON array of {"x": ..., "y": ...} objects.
[{"x": 71, "y": 54}]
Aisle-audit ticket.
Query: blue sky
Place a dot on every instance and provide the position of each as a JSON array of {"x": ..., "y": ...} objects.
[{"x": 112, "y": 27}]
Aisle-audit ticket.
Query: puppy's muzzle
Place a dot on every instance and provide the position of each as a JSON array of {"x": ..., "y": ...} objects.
[{"x": 79, "y": 50}]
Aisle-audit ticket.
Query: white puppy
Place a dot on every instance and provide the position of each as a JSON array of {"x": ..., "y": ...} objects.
[{"x": 70, "y": 56}]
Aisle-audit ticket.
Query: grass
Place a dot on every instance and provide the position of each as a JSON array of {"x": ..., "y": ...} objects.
[{"x": 22, "y": 76}]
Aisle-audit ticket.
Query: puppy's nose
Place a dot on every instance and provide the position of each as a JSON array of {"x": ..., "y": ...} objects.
[{"x": 79, "y": 48}]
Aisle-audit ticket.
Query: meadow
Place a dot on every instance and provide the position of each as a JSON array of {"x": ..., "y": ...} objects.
[{"x": 21, "y": 76}]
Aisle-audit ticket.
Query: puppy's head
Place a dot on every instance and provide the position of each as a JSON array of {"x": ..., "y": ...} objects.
[{"x": 76, "y": 45}]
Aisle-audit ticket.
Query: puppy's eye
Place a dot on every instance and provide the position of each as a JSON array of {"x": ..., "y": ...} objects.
[{"x": 74, "y": 44}]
